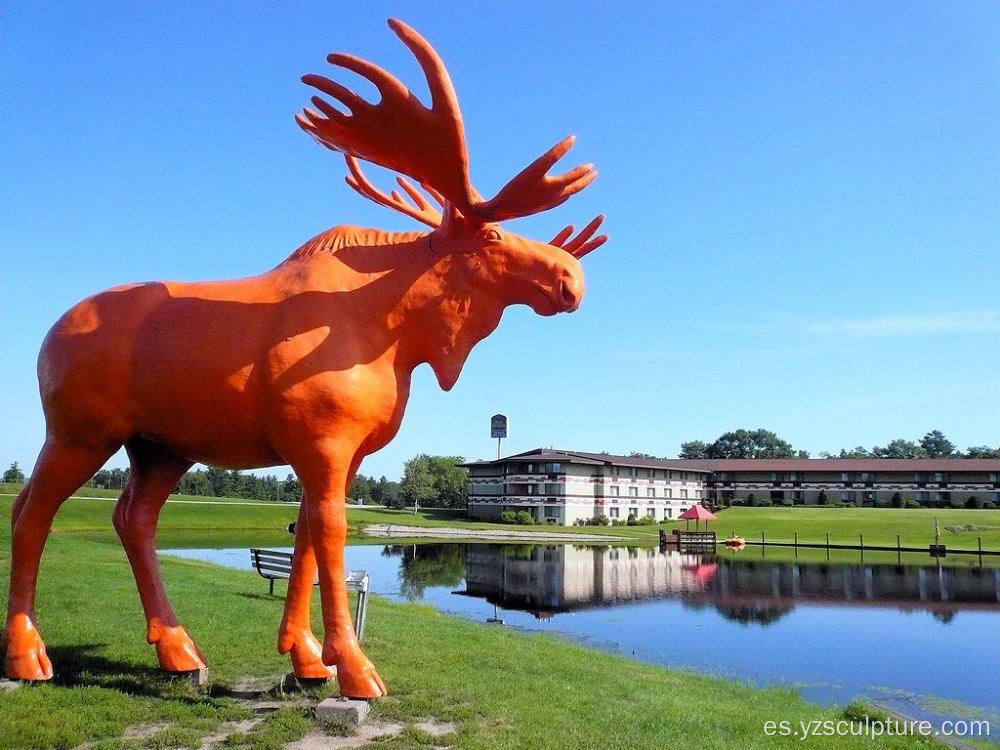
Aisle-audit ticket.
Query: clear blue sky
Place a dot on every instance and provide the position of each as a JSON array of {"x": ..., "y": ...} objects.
[{"x": 802, "y": 200}]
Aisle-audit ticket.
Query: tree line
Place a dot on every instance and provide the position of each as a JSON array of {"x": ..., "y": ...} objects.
[
  {"x": 766, "y": 444},
  {"x": 428, "y": 482}
]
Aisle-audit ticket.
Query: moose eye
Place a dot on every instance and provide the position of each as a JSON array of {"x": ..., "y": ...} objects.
[{"x": 493, "y": 235}]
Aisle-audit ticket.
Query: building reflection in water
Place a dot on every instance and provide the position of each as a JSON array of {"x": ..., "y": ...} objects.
[{"x": 548, "y": 579}]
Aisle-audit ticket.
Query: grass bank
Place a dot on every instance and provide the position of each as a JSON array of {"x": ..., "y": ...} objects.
[
  {"x": 959, "y": 528},
  {"x": 501, "y": 688}
]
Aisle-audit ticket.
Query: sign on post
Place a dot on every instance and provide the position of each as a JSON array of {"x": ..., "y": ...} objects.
[
  {"x": 498, "y": 426},
  {"x": 498, "y": 429}
]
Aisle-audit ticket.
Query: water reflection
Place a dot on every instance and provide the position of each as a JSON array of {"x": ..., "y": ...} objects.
[{"x": 546, "y": 580}]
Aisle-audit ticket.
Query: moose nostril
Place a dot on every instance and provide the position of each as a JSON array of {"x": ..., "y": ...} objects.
[{"x": 566, "y": 293}]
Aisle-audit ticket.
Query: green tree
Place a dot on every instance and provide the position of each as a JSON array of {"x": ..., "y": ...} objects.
[
  {"x": 858, "y": 452},
  {"x": 417, "y": 487},
  {"x": 982, "y": 451},
  {"x": 693, "y": 449},
  {"x": 14, "y": 474},
  {"x": 360, "y": 490},
  {"x": 385, "y": 492},
  {"x": 937, "y": 445},
  {"x": 899, "y": 448},
  {"x": 291, "y": 489},
  {"x": 759, "y": 443},
  {"x": 450, "y": 481},
  {"x": 434, "y": 481}
]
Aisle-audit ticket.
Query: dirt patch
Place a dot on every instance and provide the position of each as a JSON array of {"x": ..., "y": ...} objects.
[
  {"x": 437, "y": 728},
  {"x": 366, "y": 733},
  {"x": 216, "y": 738},
  {"x": 143, "y": 731}
]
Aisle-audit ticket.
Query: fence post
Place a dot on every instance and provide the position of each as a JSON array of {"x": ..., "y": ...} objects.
[
  {"x": 862, "y": 538},
  {"x": 828, "y": 545},
  {"x": 899, "y": 551},
  {"x": 796, "y": 543},
  {"x": 980, "y": 551}
]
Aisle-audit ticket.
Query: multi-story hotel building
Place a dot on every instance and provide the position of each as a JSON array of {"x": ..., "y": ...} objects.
[{"x": 559, "y": 486}]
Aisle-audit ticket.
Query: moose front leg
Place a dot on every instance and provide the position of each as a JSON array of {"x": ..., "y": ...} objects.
[
  {"x": 296, "y": 636},
  {"x": 324, "y": 477}
]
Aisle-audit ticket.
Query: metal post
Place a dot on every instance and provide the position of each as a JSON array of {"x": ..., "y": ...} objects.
[
  {"x": 980, "y": 551},
  {"x": 899, "y": 551},
  {"x": 796, "y": 544},
  {"x": 828, "y": 545},
  {"x": 862, "y": 537}
]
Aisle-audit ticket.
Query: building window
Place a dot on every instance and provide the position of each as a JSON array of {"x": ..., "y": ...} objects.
[
  {"x": 553, "y": 468},
  {"x": 613, "y": 512},
  {"x": 848, "y": 496},
  {"x": 614, "y": 490},
  {"x": 668, "y": 493},
  {"x": 633, "y": 472},
  {"x": 994, "y": 497},
  {"x": 551, "y": 511},
  {"x": 793, "y": 477},
  {"x": 651, "y": 512},
  {"x": 925, "y": 496},
  {"x": 684, "y": 494},
  {"x": 778, "y": 495},
  {"x": 941, "y": 477},
  {"x": 531, "y": 468},
  {"x": 775, "y": 477},
  {"x": 633, "y": 492},
  {"x": 633, "y": 512},
  {"x": 845, "y": 477},
  {"x": 668, "y": 512},
  {"x": 650, "y": 492},
  {"x": 944, "y": 497}
]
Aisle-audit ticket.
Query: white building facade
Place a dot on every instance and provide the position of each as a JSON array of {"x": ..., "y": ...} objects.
[{"x": 562, "y": 487}]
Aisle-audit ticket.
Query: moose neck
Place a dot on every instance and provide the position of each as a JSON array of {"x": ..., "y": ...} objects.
[
  {"x": 417, "y": 298},
  {"x": 441, "y": 318}
]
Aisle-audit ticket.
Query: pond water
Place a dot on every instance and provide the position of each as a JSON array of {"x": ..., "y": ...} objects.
[{"x": 920, "y": 638}]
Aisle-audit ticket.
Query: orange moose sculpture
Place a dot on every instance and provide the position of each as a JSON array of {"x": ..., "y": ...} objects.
[{"x": 308, "y": 364}]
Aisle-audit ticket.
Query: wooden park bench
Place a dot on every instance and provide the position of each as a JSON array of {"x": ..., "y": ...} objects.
[{"x": 274, "y": 565}]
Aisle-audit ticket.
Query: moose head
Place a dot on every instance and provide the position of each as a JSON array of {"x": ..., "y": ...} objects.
[{"x": 428, "y": 145}]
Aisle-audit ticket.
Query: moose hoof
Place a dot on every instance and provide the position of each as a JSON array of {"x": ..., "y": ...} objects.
[
  {"x": 307, "y": 664},
  {"x": 26, "y": 658},
  {"x": 356, "y": 675},
  {"x": 175, "y": 650}
]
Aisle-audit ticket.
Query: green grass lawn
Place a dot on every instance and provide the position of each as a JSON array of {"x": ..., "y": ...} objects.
[
  {"x": 502, "y": 688},
  {"x": 960, "y": 528}
]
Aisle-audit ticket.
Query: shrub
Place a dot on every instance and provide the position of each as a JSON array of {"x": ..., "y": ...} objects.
[
  {"x": 973, "y": 502},
  {"x": 647, "y": 521},
  {"x": 897, "y": 500},
  {"x": 751, "y": 498},
  {"x": 737, "y": 502},
  {"x": 786, "y": 502},
  {"x": 599, "y": 520},
  {"x": 632, "y": 520},
  {"x": 908, "y": 503},
  {"x": 524, "y": 518},
  {"x": 508, "y": 516},
  {"x": 989, "y": 504},
  {"x": 759, "y": 502},
  {"x": 617, "y": 522},
  {"x": 821, "y": 498}
]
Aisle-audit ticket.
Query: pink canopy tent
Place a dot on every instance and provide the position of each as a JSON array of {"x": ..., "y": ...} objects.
[{"x": 697, "y": 513}]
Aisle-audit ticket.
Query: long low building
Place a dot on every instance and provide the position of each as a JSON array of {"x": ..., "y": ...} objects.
[{"x": 561, "y": 487}]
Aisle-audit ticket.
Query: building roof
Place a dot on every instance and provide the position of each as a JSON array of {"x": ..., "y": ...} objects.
[
  {"x": 841, "y": 464},
  {"x": 710, "y": 465},
  {"x": 597, "y": 459}
]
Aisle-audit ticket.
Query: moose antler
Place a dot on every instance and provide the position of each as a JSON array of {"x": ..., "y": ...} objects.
[
  {"x": 401, "y": 134},
  {"x": 581, "y": 244},
  {"x": 423, "y": 212}
]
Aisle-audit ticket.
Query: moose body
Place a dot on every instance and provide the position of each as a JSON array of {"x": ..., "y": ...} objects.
[{"x": 308, "y": 364}]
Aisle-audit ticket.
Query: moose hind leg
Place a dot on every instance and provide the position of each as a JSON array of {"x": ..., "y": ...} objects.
[
  {"x": 59, "y": 471},
  {"x": 154, "y": 474},
  {"x": 295, "y": 636}
]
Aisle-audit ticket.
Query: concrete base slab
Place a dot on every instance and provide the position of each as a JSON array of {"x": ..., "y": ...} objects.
[
  {"x": 8, "y": 685},
  {"x": 344, "y": 712}
]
